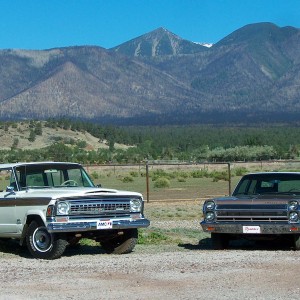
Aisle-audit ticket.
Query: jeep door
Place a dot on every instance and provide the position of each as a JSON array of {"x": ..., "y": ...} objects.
[{"x": 7, "y": 203}]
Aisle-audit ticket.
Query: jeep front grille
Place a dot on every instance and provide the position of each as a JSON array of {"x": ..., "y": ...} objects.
[
  {"x": 102, "y": 206},
  {"x": 98, "y": 208}
]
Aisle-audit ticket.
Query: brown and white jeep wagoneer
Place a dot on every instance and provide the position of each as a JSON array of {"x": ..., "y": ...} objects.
[{"x": 48, "y": 205}]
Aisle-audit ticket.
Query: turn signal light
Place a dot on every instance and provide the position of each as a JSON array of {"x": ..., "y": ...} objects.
[
  {"x": 210, "y": 228},
  {"x": 294, "y": 229}
]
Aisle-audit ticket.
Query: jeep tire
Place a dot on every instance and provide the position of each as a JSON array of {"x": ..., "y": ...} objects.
[
  {"x": 122, "y": 244},
  {"x": 42, "y": 244}
]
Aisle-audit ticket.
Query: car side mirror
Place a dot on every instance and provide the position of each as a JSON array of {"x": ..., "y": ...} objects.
[{"x": 10, "y": 189}]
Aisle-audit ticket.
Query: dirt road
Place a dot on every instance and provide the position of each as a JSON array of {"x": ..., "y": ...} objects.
[{"x": 152, "y": 272}]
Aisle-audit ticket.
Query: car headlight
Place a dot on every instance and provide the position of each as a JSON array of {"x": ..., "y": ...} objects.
[
  {"x": 209, "y": 216},
  {"x": 135, "y": 205},
  {"x": 294, "y": 217},
  {"x": 293, "y": 205},
  {"x": 209, "y": 205},
  {"x": 62, "y": 208}
]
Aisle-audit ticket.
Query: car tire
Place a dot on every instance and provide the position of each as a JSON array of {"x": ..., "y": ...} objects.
[
  {"x": 219, "y": 241},
  {"x": 42, "y": 244},
  {"x": 74, "y": 241},
  {"x": 296, "y": 242},
  {"x": 122, "y": 244}
]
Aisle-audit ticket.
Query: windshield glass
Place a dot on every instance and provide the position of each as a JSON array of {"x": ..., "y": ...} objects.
[
  {"x": 56, "y": 175},
  {"x": 261, "y": 184},
  {"x": 7, "y": 179}
]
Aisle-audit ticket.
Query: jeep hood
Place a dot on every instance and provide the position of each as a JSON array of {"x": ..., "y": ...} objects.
[{"x": 55, "y": 193}]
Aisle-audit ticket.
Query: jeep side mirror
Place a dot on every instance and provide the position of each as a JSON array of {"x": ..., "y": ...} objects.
[{"x": 10, "y": 189}]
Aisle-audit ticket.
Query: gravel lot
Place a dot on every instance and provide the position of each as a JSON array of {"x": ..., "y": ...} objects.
[{"x": 152, "y": 272}]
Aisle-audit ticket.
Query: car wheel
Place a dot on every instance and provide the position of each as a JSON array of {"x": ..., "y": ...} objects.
[
  {"x": 122, "y": 244},
  {"x": 73, "y": 242},
  {"x": 219, "y": 241},
  {"x": 42, "y": 244},
  {"x": 296, "y": 244}
]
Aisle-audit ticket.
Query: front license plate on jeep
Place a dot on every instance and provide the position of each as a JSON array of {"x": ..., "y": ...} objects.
[
  {"x": 104, "y": 224},
  {"x": 251, "y": 229}
]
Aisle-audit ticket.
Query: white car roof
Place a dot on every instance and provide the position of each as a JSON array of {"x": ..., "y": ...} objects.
[{"x": 13, "y": 165}]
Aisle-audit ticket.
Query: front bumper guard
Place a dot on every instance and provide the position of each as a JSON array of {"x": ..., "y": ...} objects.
[
  {"x": 92, "y": 225},
  {"x": 265, "y": 228}
]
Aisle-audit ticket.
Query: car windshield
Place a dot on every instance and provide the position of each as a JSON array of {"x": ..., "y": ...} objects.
[
  {"x": 272, "y": 183},
  {"x": 56, "y": 175}
]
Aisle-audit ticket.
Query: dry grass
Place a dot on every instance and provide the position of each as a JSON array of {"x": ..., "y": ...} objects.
[{"x": 21, "y": 131}]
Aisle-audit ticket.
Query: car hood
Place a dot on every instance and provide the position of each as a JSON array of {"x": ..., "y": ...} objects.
[
  {"x": 257, "y": 199},
  {"x": 55, "y": 193}
]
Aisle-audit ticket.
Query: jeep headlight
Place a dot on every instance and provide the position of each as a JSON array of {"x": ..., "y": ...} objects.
[
  {"x": 135, "y": 205},
  {"x": 293, "y": 217},
  {"x": 210, "y": 216},
  {"x": 293, "y": 205},
  {"x": 209, "y": 205},
  {"x": 62, "y": 208}
]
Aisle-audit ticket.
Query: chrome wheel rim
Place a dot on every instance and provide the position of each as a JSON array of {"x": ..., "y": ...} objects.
[{"x": 42, "y": 240}]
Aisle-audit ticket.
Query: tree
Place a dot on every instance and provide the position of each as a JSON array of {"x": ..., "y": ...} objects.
[
  {"x": 32, "y": 136},
  {"x": 38, "y": 129},
  {"x": 15, "y": 143}
]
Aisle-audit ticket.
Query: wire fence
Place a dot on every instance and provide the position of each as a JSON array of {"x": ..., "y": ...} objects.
[{"x": 181, "y": 181}]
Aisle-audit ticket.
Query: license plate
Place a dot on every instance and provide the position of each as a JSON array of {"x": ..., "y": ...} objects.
[
  {"x": 104, "y": 224},
  {"x": 251, "y": 229}
]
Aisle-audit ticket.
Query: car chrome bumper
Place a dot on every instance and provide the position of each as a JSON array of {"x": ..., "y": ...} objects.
[
  {"x": 92, "y": 225},
  {"x": 265, "y": 228}
]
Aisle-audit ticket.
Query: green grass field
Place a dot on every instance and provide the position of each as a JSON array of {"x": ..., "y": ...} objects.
[{"x": 191, "y": 189}]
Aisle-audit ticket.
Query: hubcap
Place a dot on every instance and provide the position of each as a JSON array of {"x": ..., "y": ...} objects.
[{"x": 42, "y": 240}]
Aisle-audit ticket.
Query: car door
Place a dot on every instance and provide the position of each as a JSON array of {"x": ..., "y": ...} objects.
[{"x": 8, "y": 195}]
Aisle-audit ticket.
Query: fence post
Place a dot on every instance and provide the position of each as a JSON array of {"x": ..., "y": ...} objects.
[
  {"x": 147, "y": 180},
  {"x": 229, "y": 179}
]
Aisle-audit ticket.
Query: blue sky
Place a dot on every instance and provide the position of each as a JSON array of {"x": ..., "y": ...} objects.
[{"x": 44, "y": 24}]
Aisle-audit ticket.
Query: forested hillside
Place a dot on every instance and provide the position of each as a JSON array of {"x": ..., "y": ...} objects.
[{"x": 91, "y": 143}]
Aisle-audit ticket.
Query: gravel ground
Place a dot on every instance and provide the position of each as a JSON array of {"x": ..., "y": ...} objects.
[{"x": 152, "y": 272}]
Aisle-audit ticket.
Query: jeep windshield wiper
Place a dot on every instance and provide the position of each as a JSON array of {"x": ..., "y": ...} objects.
[{"x": 37, "y": 187}]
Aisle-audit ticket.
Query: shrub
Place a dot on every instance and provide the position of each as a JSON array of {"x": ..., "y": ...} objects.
[
  {"x": 127, "y": 179},
  {"x": 134, "y": 174},
  {"x": 95, "y": 175},
  {"x": 162, "y": 182},
  {"x": 161, "y": 173},
  {"x": 240, "y": 171},
  {"x": 219, "y": 176},
  {"x": 181, "y": 179},
  {"x": 181, "y": 174},
  {"x": 199, "y": 173}
]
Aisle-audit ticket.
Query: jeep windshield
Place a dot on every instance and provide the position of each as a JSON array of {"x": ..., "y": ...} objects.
[
  {"x": 269, "y": 183},
  {"x": 51, "y": 175}
]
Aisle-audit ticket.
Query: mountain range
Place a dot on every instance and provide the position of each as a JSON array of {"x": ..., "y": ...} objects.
[{"x": 251, "y": 75}]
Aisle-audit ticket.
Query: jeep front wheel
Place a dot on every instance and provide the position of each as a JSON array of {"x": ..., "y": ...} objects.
[
  {"x": 122, "y": 244},
  {"x": 42, "y": 244}
]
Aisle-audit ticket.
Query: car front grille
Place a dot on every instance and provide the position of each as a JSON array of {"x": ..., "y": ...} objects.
[
  {"x": 99, "y": 207},
  {"x": 252, "y": 213}
]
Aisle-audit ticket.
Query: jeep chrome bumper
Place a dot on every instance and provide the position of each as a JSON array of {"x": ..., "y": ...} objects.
[
  {"x": 93, "y": 225},
  {"x": 251, "y": 228}
]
